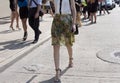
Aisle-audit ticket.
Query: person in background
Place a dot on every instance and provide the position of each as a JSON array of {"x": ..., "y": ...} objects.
[
  {"x": 84, "y": 5},
  {"x": 14, "y": 14},
  {"x": 104, "y": 7},
  {"x": 33, "y": 17},
  {"x": 78, "y": 14},
  {"x": 93, "y": 10},
  {"x": 23, "y": 11},
  {"x": 88, "y": 9},
  {"x": 48, "y": 7},
  {"x": 62, "y": 31}
]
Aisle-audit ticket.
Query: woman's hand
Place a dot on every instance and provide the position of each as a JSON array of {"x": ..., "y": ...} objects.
[{"x": 73, "y": 28}]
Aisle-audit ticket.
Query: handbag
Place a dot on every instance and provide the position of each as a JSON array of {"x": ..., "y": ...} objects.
[
  {"x": 76, "y": 32},
  {"x": 41, "y": 13}
]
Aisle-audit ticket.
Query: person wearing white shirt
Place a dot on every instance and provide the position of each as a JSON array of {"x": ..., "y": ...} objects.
[
  {"x": 34, "y": 8},
  {"x": 62, "y": 31}
]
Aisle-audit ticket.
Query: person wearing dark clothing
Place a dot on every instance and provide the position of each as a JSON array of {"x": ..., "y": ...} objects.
[
  {"x": 78, "y": 12},
  {"x": 84, "y": 5},
  {"x": 88, "y": 8},
  {"x": 23, "y": 11},
  {"x": 12, "y": 5},
  {"x": 103, "y": 7},
  {"x": 34, "y": 8},
  {"x": 14, "y": 14},
  {"x": 93, "y": 10}
]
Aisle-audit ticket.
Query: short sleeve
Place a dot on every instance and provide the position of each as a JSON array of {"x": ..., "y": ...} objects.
[{"x": 39, "y": 2}]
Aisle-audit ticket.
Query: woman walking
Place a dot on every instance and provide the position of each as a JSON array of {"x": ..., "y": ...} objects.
[
  {"x": 14, "y": 14},
  {"x": 62, "y": 31},
  {"x": 93, "y": 10},
  {"x": 23, "y": 11}
]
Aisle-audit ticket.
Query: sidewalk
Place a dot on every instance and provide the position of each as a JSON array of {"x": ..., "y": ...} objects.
[{"x": 12, "y": 48}]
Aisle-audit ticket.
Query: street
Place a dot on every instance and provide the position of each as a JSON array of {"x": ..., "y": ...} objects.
[{"x": 38, "y": 65}]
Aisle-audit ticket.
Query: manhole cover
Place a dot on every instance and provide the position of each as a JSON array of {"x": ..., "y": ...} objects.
[{"x": 111, "y": 55}]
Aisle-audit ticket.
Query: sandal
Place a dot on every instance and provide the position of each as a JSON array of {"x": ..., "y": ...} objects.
[
  {"x": 18, "y": 27},
  {"x": 70, "y": 63},
  {"x": 11, "y": 28},
  {"x": 57, "y": 77}
]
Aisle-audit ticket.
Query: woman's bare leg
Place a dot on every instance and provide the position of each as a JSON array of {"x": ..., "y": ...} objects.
[
  {"x": 12, "y": 20},
  {"x": 24, "y": 24},
  {"x": 56, "y": 49},
  {"x": 17, "y": 20},
  {"x": 70, "y": 53}
]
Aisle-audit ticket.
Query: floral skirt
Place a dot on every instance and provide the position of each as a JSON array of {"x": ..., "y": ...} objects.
[{"x": 61, "y": 30}]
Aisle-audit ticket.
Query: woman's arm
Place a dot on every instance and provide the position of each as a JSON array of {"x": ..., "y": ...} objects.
[{"x": 73, "y": 9}]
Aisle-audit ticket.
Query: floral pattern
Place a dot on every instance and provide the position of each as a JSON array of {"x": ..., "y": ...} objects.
[{"x": 61, "y": 30}]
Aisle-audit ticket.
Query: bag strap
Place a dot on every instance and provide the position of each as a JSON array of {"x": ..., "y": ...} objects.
[
  {"x": 61, "y": 6},
  {"x": 34, "y": 2}
]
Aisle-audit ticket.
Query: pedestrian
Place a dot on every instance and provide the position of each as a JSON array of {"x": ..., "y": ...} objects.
[
  {"x": 14, "y": 14},
  {"x": 23, "y": 11},
  {"x": 63, "y": 27},
  {"x": 48, "y": 7},
  {"x": 93, "y": 10},
  {"x": 104, "y": 7},
  {"x": 78, "y": 12},
  {"x": 84, "y": 5},
  {"x": 34, "y": 8}
]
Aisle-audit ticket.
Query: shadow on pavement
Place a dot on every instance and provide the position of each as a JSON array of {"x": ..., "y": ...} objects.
[
  {"x": 7, "y": 17},
  {"x": 29, "y": 81},
  {"x": 4, "y": 20},
  {"x": 8, "y": 31},
  {"x": 48, "y": 81},
  {"x": 14, "y": 44},
  {"x": 52, "y": 79}
]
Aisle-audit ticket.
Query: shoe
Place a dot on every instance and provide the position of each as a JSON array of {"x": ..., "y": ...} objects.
[
  {"x": 25, "y": 36},
  {"x": 57, "y": 77},
  {"x": 11, "y": 28},
  {"x": 70, "y": 63},
  {"x": 40, "y": 32},
  {"x": 37, "y": 36},
  {"x": 95, "y": 22},
  {"x": 35, "y": 41},
  {"x": 18, "y": 27}
]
